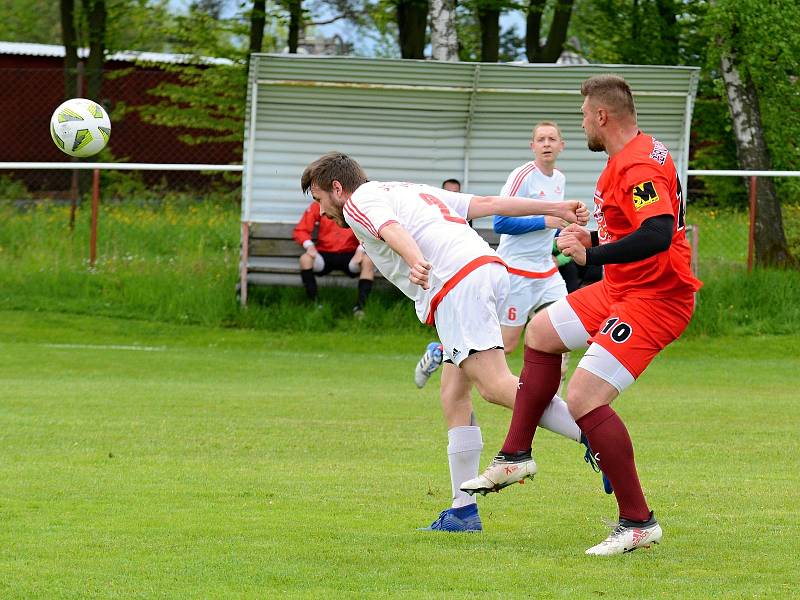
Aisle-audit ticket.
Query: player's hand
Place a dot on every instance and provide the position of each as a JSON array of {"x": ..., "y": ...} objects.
[
  {"x": 420, "y": 273},
  {"x": 569, "y": 245},
  {"x": 583, "y": 235},
  {"x": 312, "y": 251},
  {"x": 555, "y": 223},
  {"x": 573, "y": 211}
]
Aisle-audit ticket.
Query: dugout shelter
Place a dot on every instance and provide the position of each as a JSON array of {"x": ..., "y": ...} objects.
[{"x": 422, "y": 121}]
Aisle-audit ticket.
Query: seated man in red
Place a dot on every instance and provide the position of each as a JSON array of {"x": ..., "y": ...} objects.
[{"x": 335, "y": 248}]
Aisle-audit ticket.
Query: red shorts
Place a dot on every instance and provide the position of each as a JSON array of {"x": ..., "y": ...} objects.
[{"x": 632, "y": 329}]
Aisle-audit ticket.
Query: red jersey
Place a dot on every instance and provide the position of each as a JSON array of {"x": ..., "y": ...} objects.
[
  {"x": 330, "y": 237},
  {"x": 638, "y": 183}
]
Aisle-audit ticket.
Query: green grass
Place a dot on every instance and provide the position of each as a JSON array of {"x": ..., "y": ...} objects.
[
  {"x": 176, "y": 261},
  {"x": 228, "y": 463}
]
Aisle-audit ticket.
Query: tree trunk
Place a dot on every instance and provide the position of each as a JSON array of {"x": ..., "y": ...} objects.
[
  {"x": 257, "y": 20},
  {"x": 669, "y": 36},
  {"x": 770, "y": 241},
  {"x": 444, "y": 39},
  {"x": 68, "y": 37},
  {"x": 96, "y": 13},
  {"x": 412, "y": 22},
  {"x": 489, "y": 18},
  {"x": 558, "y": 32},
  {"x": 533, "y": 30},
  {"x": 295, "y": 23}
]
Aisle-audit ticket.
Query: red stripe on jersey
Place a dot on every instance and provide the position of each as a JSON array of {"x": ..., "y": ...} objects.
[
  {"x": 389, "y": 222},
  {"x": 453, "y": 281},
  {"x": 533, "y": 274},
  {"x": 359, "y": 217},
  {"x": 520, "y": 178},
  {"x": 366, "y": 219}
]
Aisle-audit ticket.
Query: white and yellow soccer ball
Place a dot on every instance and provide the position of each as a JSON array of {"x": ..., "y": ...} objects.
[{"x": 80, "y": 127}]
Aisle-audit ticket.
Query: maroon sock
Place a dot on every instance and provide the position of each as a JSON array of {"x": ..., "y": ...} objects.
[
  {"x": 613, "y": 449},
  {"x": 538, "y": 383}
]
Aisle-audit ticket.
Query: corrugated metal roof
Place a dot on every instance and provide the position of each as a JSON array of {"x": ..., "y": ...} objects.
[
  {"x": 427, "y": 121},
  {"x": 29, "y": 49}
]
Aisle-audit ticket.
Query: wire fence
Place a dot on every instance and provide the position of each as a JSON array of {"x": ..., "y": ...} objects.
[{"x": 37, "y": 91}]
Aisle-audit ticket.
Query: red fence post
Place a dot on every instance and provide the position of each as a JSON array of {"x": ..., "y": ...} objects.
[
  {"x": 95, "y": 205},
  {"x": 751, "y": 242}
]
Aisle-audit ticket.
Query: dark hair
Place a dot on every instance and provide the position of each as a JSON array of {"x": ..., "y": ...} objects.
[
  {"x": 330, "y": 167},
  {"x": 612, "y": 91},
  {"x": 451, "y": 180}
]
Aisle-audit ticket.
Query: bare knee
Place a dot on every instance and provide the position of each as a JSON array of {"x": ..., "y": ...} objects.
[
  {"x": 500, "y": 391},
  {"x": 541, "y": 335},
  {"x": 306, "y": 261}
]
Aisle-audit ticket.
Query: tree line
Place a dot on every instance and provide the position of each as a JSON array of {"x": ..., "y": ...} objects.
[{"x": 747, "y": 113}]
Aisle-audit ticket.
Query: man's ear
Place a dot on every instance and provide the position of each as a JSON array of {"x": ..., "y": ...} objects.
[
  {"x": 602, "y": 116},
  {"x": 336, "y": 186}
]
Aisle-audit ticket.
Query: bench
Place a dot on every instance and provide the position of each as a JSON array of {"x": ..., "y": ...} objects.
[{"x": 270, "y": 257}]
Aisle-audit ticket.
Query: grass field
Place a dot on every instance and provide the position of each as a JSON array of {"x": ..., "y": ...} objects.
[{"x": 143, "y": 460}]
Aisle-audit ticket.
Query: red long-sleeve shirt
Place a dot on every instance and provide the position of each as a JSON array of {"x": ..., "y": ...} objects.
[{"x": 330, "y": 237}]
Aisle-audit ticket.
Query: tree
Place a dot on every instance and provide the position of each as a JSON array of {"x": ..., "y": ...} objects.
[
  {"x": 488, "y": 12},
  {"x": 35, "y": 21},
  {"x": 96, "y": 15},
  {"x": 69, "y": 39},
  {"x": 412, "y": 22},
  {"x": 444, "y": 41},
  {"x": 258, "y": 18},
  {"x": 556, "y": 36},
  {"x": 757, "y": 47}
]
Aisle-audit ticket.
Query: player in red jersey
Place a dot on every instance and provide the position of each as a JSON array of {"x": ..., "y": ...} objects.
[
  {"x": 643, "y": 303},
  {"x": 335, "y": 248}
]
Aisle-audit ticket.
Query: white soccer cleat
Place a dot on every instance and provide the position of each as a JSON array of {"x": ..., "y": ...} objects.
[
  {"x": 627, "y": 536},
  {"x": 502, "y": 472},
  {"x": 427, "y": 365}
]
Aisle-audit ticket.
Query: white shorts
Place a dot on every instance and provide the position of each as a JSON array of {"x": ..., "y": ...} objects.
[
  {"x": 596, "y": 360},
  {"x": 468, "y": 319},
  {"x": 527, "y": 294}
]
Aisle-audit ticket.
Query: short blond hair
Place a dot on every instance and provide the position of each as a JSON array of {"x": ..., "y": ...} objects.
[
  {"x": 612, "y": 91},
  {"x": 546, "y": 124}
]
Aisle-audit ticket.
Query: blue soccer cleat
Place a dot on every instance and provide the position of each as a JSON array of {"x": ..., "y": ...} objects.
[
  {"x": 427, "y": 365},
  {"x": 457, "y": 520},
  {"x": 592, "y": 461}
]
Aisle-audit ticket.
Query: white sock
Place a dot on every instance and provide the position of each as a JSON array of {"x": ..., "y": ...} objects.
[
  {"x": 558, "y": 419},
  {"x": 464, "y": 454}
]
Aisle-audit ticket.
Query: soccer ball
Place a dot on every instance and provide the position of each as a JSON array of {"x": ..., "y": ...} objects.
[{"x": 80, "y": 127}]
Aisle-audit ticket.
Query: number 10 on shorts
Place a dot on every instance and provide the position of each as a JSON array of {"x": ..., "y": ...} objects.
[{"x": 619, "y": 331}]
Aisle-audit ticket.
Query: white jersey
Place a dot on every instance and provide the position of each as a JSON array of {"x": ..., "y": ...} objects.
[
  {"x": 436, "y": 219},
  {"x": 532, "y": 251}
]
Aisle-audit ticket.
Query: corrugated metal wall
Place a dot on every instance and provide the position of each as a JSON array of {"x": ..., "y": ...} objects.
[{"x": 426, "y": 121}]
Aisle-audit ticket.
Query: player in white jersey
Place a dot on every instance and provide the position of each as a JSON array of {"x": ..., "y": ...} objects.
[
  {"x": 526, "y": 243},
  {"x": 418, "y": 237}
]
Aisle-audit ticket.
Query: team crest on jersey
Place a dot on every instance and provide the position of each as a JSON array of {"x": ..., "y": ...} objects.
[
  {"x": 644, "y": 194},
  {"x": 542, "y": 194}
]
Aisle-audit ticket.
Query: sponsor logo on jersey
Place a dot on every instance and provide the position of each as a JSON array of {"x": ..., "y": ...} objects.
[
  {"x": 456, "y": 352},
  {"x": 644, "y": 194}
]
